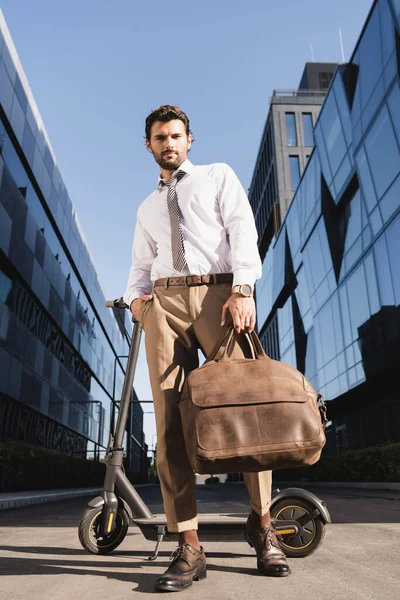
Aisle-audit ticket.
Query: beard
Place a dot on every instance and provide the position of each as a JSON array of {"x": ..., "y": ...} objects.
[{"x": 168, "y": 164}]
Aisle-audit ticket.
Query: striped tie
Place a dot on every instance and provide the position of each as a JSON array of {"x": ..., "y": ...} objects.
[{"x": 177, "y": 247}]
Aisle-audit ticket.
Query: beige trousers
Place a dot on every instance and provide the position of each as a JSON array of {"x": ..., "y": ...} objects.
[{"x": 178, "y": 321}]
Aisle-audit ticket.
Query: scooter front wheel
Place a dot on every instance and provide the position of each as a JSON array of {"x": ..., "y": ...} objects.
[
  {"x": 311, "y": 533},
  {"x": 89, "y": 531}
]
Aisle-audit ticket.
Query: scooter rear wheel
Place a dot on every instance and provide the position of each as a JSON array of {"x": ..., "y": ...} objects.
[
  {"x": 311, "y": 534},
  {"x": 89, "y": 528}
]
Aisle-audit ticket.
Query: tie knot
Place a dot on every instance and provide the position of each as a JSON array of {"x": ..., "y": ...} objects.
[{"x": 174, "y": 180}]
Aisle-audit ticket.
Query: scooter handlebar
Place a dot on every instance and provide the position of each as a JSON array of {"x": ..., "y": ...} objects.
[{"x": 117, "y": 303}]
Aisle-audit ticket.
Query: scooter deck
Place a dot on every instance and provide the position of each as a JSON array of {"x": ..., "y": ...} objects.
[{"x": 212, "y": 526}]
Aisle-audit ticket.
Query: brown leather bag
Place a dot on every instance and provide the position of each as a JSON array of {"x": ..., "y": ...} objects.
[{"x": 244, "y": 415}]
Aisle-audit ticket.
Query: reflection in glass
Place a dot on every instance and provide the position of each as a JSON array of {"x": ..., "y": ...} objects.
[
  {"x": 294, "y": 172},
  {"x": 291, "y": 129},
  {"x": 382, "y": 152},
  {"x": 308, "y": 129}
]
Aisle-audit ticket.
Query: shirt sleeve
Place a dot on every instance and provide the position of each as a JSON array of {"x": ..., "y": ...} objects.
[
  {"x": 239, "y": 223},
  {"x": 143, "y": 253}
]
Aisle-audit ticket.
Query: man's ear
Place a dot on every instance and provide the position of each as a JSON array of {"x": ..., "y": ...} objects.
[
  {"x": 148, "y": 146},
  {"x": 190, "y": 138}
]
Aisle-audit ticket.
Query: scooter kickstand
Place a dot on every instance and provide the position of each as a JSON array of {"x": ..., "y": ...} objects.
[{"x": 161, "y": 531}]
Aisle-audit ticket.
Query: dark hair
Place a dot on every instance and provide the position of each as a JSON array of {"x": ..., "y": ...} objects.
[{"x": 166, "y": 113}]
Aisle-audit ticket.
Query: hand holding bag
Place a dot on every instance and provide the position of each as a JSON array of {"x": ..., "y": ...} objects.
[{"x": 249, "y": 415}]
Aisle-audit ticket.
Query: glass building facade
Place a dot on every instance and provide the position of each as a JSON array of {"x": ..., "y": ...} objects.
[
  {"x": 329, "y": 297},
  {"x": 61, "y": 350}
]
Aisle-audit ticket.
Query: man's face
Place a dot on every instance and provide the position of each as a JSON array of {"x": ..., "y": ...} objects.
[{"x": 169, "y": 144}]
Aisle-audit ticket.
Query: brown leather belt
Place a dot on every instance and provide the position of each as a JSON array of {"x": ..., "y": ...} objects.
[{"x": 195, "y": 280}]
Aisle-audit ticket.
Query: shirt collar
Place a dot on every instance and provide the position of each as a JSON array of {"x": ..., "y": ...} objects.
[{"x": 186, "y": 167}]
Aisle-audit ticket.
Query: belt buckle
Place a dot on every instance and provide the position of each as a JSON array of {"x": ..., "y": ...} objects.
[{"x": 188, "y": 280}]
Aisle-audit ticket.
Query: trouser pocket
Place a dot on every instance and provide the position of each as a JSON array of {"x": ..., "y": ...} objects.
[{"x": 144, "y": 311}]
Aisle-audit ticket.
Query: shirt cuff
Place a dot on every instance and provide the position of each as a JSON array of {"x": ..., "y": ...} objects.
[
  {"x": 130, "y": 296},
  {"x": 242, "y": 276}
]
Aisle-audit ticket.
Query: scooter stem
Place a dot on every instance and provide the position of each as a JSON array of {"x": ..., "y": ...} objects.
[{"x": 128, "y": 385}]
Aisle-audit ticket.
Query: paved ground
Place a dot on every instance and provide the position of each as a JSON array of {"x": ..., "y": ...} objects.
[{"x": 41, "y": 558}]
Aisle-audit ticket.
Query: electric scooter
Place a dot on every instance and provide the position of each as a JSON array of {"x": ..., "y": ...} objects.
[{"x": 299, "y": 517}]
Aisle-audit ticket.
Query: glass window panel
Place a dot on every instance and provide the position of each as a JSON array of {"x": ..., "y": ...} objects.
[
  {"x": 387, "y": 31},
  {"x": 278, "y": 273},
  {"x": 393, "y": 243},
  {"x": 390, "y": 71},
  {"x": 19, "y": 90},
  {"x": 382, "y": 152},
  {"x": 394, "y": 108},
  {"x": 344, "y": 172},
  {"x": 13, "y": 163},
  {"x": 311, "y": 365},
  {"x": 358, "y": 300},
  {"x": 40, "y": 141},
  {"x": 291, "y": 129},
  {"x": 333, "y": 133},
  {"x": 6, "y": 90},
  {"x": 294, "y": 172},
  {"x": 343, "y": 107},
  {"x": 370, "y": 56},
  {"x": 365, "y": 179},
  {"x": 8, "y": 63},
  {"x": 391, "y": 200},
  {"x": 38, "y": 166},
  {"x": 383, "y": 271},
  {"x": 344, "y": 309},
  {"x": 366, "y": 238},
  {"x": 324, "y": 324},
  {"x": 375, "y": 220},
  {"x": 31, "y": 120},
  {"x": 293, "y": 229},
  {"x": 46, "y": 184},
  {"x": 17, "y": 119},
  {"x": 35, "y": 207},
  {"x": 302, "y": 292},
  {"x": 28, "y": 143},
  {"x": 396, "y": 6},
  {"x": 324, "y": 247},
  {"x": 337, "y": 323},
  {"x": 323, "y": 157},
  {"x": 373, "y": 103},
  {"x": 372, "y": 284},
  {"x": 354, "y": 223},
  {"x": 264, "y": 290},
  {"x": 48, "y": 161},
  {"x": 308, "y": 129}
]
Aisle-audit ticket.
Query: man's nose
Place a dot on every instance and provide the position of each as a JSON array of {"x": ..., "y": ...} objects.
[{"x": 169, "y": 143}]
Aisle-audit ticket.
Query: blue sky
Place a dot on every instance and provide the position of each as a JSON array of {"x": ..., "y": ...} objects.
[{"x": 97, "y": 68}]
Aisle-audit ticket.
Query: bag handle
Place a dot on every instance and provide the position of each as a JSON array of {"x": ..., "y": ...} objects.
[{"x": 223, "y": 349}]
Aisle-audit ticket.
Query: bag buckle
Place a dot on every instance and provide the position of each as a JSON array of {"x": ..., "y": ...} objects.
[{"x": 322, "y": 410}]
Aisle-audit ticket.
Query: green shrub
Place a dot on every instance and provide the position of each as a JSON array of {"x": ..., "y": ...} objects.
[
  {"x": 212, "y": 479},
  {"x": 377, "y": 463},
  {"x": 28, "y": 468}
]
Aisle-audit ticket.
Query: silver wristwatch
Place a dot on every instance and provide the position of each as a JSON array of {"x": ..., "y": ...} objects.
[{"x": 244, "y": 290}]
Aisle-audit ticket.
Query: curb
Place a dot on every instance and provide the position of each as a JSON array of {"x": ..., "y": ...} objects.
[
  {"x": 361, "y": 485},
  {"x": 19, "y": 499}
]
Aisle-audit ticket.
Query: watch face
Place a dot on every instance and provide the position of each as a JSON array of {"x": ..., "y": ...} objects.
[{"x": 246, "y": 289}]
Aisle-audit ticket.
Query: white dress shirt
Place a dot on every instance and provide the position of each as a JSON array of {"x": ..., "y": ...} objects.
[{"x": 218, "y": 228}]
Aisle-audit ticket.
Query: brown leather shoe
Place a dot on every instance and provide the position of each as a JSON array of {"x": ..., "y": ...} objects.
[
  {"x": 188, "y": 565},
  {"x": 270, "y": 558}
]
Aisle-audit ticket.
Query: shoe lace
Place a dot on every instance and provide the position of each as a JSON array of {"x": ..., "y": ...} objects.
[
  {"x": 180, "y": 553},
  {"x": 267, "y": 532}
]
